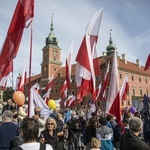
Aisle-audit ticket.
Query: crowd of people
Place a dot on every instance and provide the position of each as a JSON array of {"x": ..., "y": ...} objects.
[{"x": 72, "y": 129}]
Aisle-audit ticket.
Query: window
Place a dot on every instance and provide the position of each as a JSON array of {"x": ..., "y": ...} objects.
[
  {"x": 141, "y": 92},
  {"x": 55, "y": 69},
  {"x": 55, "y": 90},
  {"x": 147, "y": 92},
  {"x": 52, "y": 91},
  {"x": 146, "y": 80},
  {"x": 139, "y": 79},
  {"x": 133, "y": 92},
  {"x": 132, "y": 78},
  {"x": 45, "y": 68},
  {"x": 122, "y": 103},
  {"x": 61, "y": 82},
  {"x": 120, "y": 76}
]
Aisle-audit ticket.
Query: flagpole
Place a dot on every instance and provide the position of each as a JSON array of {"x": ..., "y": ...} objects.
[{"x": 30, "y": 63}]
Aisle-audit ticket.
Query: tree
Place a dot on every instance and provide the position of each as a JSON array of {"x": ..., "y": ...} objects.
[{"x": 8, "y": 94}]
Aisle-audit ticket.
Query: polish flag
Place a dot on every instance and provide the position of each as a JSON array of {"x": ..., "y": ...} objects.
[
  {"x": 37, "y": 101},
  {"x": 85, "y": 70},
  {"x": 113, "y": 100},
  {"x": 50, "y": 83},
  {"x": 3, "y": 83},
  {"x": 98, "y": 90},
  {"x": 64, "y": 90},
  {"x": 72, "y": 101},
  {"x": 48, "y": 89},
  {"x": 36, "y": 86},
  {"x": 124, "y": 89},
  {"x": 147, "y": 65},
  {"x": 105, "y": 82},
  {"x": 68, "y": 66},
  {"x": 21, "y": 81},
  {"x": 22, "y": 17}
]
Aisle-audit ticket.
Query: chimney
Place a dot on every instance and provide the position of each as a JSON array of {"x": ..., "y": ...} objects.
[
  {"x": 103, "y": 53},
  {"x": 138, "y": 63},
  {"x": 124, "y": 58}
]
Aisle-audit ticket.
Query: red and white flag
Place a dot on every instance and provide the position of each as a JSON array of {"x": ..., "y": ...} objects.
[
  {"x": 98, "y": 90},
  {"x": 23, "y": 15},
  {"x": 85, "y": 67},
  {"x": 37, "y": 101},
  {"x": 147, "y": 65},
  {"x": 113, "y": 100},
  {"x": 48, "y": 89},
  {"x": 49, "y": 84},
  {"x": 124, "y": 89},
  {"x": 63, "y": 90},
  {"x": 72, "y": 101},
  {"x": 21, "y": 81},
  {"x": 105, "y": 82},
  {"x": 36, "y": 86},
  {"x": 68, "y": 66},
  {"x": 3, "y": 83}
]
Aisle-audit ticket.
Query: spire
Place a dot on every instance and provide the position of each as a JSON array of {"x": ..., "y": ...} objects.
[
  {"x": 51, "y": 39},
  {"x": 51, "y": 28},
  {"x": 110, "y": 48},
  {"x": 110, "y": 39}
]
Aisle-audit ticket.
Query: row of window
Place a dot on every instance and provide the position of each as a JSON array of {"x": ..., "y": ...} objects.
[
  {"x": 132, "y": 78},
  {"x": 141, "y": 92}
]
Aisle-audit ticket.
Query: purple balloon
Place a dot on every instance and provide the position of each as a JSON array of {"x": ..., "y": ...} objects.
[{"x": 133, "y": 110}]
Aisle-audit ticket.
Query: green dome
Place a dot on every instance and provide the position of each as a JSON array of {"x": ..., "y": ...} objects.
[
  {"x": 51, "y": 39},
  {"x": 110, "y": 48}
]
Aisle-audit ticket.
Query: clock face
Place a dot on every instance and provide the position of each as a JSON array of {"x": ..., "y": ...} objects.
[{"x": 55, "y": 55}]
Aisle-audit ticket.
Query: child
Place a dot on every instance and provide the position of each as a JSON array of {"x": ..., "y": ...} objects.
[{"x": 95, "y": 144}]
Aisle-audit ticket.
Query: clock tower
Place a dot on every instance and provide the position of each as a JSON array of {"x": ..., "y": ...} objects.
[{"x": 51, "y": 57}]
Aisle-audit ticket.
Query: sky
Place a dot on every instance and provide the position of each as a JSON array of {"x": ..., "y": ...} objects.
[{"x": 129, "y": 21}]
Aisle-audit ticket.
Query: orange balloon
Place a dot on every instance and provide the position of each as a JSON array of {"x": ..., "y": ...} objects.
[{"x": 19, "y": 97}]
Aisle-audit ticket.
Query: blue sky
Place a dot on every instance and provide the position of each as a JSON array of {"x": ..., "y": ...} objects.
[{"x": 129, "y": 21}]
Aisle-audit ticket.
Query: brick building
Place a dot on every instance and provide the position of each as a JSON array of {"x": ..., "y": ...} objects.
[{"x": 139, "y": 80}]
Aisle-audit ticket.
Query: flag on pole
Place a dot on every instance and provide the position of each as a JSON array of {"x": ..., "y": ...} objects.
[
  {"x": 105, "y": 82},
  {"x": 3, "y": 83},
  {"x": 85, "y": 70},
  {"x": 48, "y": 89},
  {"x": 23, "y": 14},
  {"x": 68, "y": 66},
  {"x": 36, "y": 86},
  {"x": 98, "y": 90},
  {"x": 124, "y": 89},
  {"x": 147, "y": 65},
  {"x": 5, "y": 69},
  {"x": 113, "y": 100},
  {"x": 50, "y": 83},
  {"x": 63, "y": 90},
  {"x": 37, "y": 101},
  {"x": 21, "y": 81}
]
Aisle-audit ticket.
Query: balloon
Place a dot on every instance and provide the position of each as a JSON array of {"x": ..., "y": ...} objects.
[
  {"x": 52, "y": 104},
  {"x": 19, "y": 97},
  {"x": 132, "y": 110}
]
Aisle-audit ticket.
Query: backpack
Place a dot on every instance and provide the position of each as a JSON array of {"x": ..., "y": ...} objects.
[{"x": 42, "y": 147}]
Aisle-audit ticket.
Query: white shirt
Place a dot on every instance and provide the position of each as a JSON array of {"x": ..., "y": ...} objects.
[{"x": 34, "y": 146}]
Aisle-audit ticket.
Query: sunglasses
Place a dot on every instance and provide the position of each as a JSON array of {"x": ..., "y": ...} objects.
[{"x": 50, "y": 124}]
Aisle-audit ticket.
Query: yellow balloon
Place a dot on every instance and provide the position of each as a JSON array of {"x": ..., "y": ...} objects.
[{"x": 52, "y": 104}]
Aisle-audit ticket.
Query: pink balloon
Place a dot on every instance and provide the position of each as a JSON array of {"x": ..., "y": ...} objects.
[{"x": 19, "y": 97}]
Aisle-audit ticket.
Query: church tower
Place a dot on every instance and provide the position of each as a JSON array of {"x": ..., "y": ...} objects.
[{"x": 51, "y": 57}]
